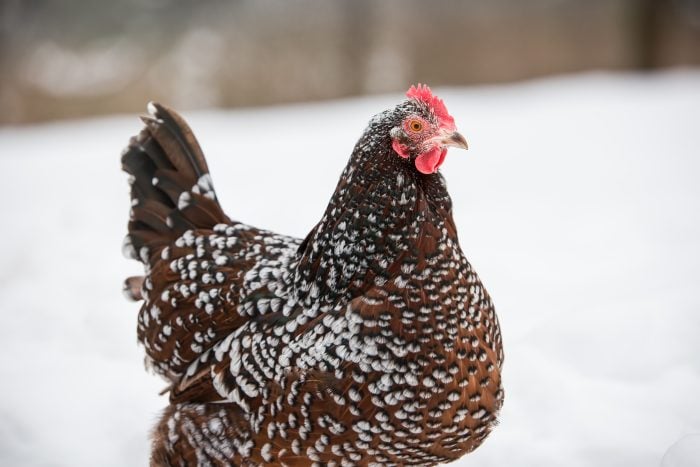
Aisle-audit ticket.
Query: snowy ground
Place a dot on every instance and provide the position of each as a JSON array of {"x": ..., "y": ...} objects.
[{"x": 578, "y": 203}]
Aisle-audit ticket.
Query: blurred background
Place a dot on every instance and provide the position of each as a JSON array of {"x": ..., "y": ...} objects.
[
  {"x": 77, "y": 58},
  {"x": 578, "y": 202}
]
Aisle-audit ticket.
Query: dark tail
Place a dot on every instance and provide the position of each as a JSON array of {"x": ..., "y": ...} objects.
[{"x": 171, "y": 189}]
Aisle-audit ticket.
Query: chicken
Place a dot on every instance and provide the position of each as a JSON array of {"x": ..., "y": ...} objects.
[{"x": 370, "y": 342}]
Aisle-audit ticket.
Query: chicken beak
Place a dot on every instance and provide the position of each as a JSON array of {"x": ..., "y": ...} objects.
[{"x": 455, "y": 139}]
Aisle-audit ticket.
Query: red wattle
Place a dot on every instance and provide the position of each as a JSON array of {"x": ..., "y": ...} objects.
[{"x": 430, "y": 161}]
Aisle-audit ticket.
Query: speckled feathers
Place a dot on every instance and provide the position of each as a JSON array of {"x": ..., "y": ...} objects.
[{"x": 370, "y": 342}]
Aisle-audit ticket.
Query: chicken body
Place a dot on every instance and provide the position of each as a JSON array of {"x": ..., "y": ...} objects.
[{"x": 370, "y": 342}]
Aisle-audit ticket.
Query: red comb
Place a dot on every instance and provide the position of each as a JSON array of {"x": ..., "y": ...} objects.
[{"x": 422, "y": 93}]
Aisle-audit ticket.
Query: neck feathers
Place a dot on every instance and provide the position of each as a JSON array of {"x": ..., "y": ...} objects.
[{"x": 374, "y": 216}]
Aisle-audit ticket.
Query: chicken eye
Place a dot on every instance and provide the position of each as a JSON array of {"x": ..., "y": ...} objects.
[{"x": 415, "y": 125}]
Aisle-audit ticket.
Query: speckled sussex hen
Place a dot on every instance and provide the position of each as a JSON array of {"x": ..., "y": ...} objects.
[{"x": 370, "y": 342}]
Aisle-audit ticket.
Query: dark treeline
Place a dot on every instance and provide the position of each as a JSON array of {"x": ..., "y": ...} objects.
[{"x": 79, "y": 57}]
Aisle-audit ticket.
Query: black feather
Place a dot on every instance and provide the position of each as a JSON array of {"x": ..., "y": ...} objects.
[{"x": 167, "y": 167}]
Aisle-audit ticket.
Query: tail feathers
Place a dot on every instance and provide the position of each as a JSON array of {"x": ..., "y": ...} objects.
[{"x": 171, "y": 189}]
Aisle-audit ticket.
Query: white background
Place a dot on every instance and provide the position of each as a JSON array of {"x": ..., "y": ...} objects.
[{"x": 578, "y": 203}]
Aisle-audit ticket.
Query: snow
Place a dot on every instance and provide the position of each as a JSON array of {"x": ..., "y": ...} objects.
[{"x": 578, "y": 203}]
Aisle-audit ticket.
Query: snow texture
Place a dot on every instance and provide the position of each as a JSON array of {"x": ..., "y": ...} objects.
[{"x": 578, "y": 203}]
